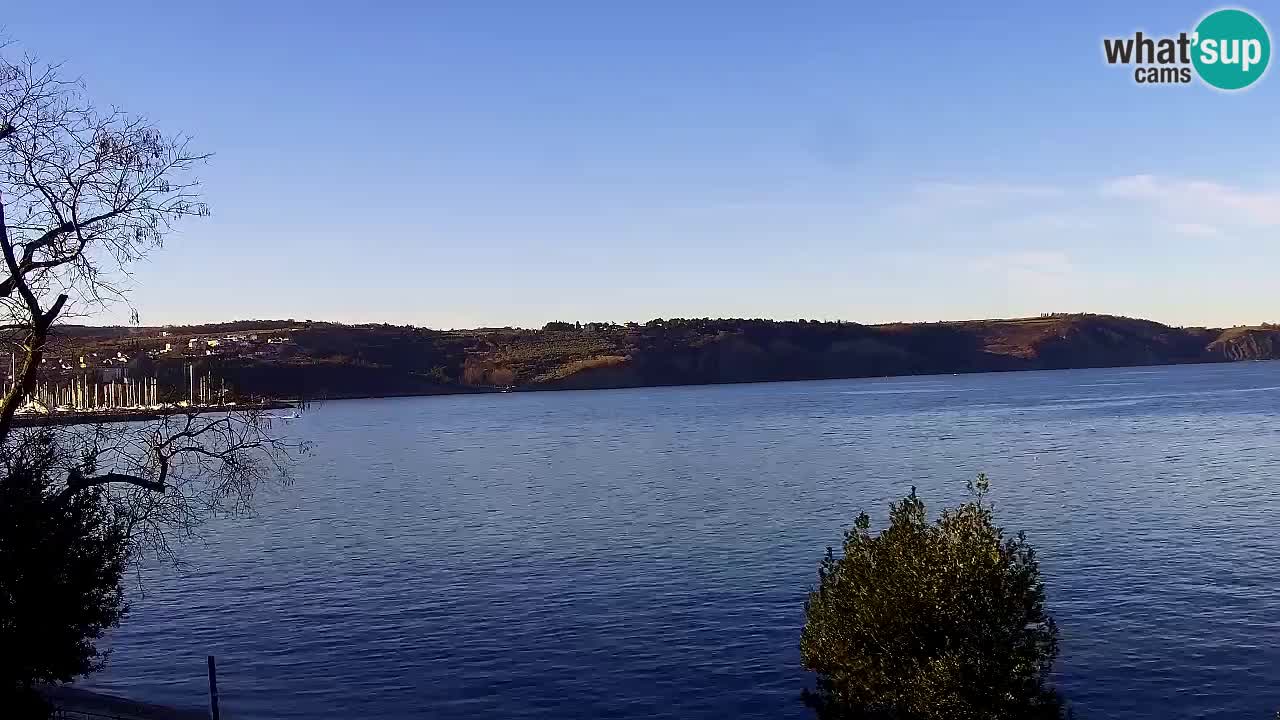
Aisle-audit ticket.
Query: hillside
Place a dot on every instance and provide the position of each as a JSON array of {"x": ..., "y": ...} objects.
[{"x": 318, "y": 360}]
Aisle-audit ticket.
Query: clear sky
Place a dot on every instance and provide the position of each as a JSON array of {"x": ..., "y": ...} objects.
[{"x": 467, "y": 163}]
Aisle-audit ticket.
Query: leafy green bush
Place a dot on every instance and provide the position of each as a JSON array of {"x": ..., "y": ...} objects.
[{"x": 931, "y": 620}]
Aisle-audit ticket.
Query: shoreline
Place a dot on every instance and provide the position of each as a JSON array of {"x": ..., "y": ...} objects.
[
  {"x": 132, "y": 415},
  {"x": 642, "y": 386},
  {"x": 72, "y": 701},
  {"x": 82, "y": 417}
]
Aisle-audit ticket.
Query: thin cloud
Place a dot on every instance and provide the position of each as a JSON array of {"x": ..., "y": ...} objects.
[
  {"x": 1197, "y": 230},
  {"x": 1051, "y": 222},
  {"x": 1025, "y": 267},
  {"x": 1199, "y": 202},
  {"x": 976, "y": 194}
]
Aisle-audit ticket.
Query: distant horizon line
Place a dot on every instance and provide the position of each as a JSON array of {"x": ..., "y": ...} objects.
[{"x": 1042, "y": 316}]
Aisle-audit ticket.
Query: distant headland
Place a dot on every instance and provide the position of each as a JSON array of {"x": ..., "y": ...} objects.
[{"x": 318, "y": 360}]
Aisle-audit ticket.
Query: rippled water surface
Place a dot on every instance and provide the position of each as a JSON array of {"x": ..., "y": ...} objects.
[{"x": 646, "y": 553}]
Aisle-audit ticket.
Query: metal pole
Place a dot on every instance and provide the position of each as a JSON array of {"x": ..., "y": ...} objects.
[{"x": 213, "y": 690}]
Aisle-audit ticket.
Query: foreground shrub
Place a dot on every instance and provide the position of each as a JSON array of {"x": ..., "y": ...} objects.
[
  {"x": 929, "y": 620},
  {"x": 61, "y": 562}
]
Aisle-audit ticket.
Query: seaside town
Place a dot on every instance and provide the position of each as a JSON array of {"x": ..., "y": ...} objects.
[{"x": 154, "y": 373}]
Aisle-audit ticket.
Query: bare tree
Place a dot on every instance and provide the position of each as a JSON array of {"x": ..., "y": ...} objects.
[
  {"x": 171, "y": 475},
  {"x": 83, "y": 193}
]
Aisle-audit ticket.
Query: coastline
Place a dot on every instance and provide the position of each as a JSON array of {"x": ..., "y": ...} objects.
[
  {"x": 137, "y": 414},
  {"x": 72, "y": 701},
  {"x": 559, "y": 387},
  {"x": 142, "y": 414}
]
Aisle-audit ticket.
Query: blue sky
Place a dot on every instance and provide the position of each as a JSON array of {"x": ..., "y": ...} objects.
[{"x": 457, "y": 164}]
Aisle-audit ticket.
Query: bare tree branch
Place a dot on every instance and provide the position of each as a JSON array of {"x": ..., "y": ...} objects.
[
  {"x": 85, "y": 192},
  {"x": 76, "y": 481}
]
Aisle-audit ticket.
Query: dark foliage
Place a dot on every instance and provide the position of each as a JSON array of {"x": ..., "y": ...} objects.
[
  {"x": 931, "y": 620},
  {"x": 61, "y": 562}
]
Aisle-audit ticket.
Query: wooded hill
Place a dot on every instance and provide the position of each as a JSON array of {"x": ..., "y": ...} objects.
[{"x": 318, "y": 360}]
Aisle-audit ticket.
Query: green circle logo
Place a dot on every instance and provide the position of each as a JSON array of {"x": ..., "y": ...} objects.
[{"x": 1232, "y": 49}]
